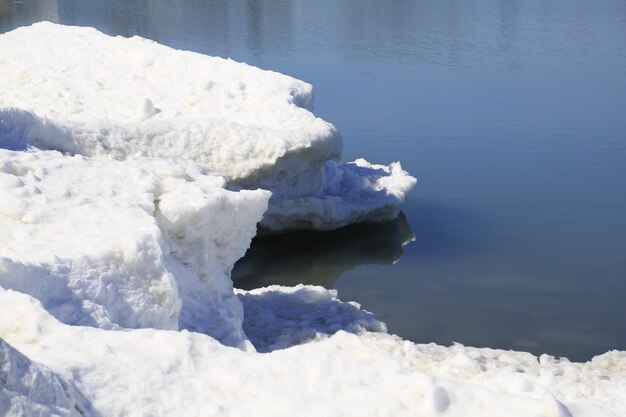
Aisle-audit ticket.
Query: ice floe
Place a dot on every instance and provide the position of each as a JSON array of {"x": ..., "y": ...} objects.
[{"x": 79, "y": 91}]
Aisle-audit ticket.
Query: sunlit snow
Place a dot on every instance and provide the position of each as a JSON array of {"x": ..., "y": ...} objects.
[
  {"x": 132, "y": 178},
  {"x": 79, "y": 91}
]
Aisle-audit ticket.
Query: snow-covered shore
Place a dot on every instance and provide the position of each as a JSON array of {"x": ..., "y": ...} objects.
[
  {"x": 149, "y": 372},
  {"x": 116, "y": 253}
]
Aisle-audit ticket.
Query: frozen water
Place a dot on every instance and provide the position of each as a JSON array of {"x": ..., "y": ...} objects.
[
  {"x": 115, "y": 244},
  {"x": 64, "y": 89}
]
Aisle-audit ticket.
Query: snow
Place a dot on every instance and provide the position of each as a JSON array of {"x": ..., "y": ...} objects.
[
  {"x": 116, "y": 253},
  {"x": 63, "y": 88},
  {"x": 30, "y": 389},
  {"x": 279, "y": 317},
  {"x": 354, "y": 192},
  {"x": 168, "y": 373},
  {"x": 112, "y": 244}
]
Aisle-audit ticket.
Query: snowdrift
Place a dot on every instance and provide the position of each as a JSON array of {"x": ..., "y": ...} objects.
[{"x": 78, "y": 91}]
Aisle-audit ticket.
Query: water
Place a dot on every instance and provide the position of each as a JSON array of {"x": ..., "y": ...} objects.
[{"x": 512, "y": 114}]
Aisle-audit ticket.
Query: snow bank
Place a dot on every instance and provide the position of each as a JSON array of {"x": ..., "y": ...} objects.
[
  {"x": 77, "y": 90},
  {"x": 166, "y": 373},
  {"x": 112, "y": 244}
]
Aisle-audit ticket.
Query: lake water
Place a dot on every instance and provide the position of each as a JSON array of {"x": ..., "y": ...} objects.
[{"x": 512, "y": 114}]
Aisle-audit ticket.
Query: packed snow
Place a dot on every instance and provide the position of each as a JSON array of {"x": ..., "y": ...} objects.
[
  {"x": 279, "y": 317},
  {"x": 77, "y": 90},
  {"x": 30, "y": 389},
  {"x": 148, "y": 372},
  {"x": 354, "y": 192},
  {"x": 119, "y": 237},
  {"x": 113, "y": 244}
]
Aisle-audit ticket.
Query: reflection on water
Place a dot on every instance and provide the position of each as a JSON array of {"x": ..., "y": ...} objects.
[
  {"x": 445, "y": 232},
  {"x": 320, "y": 258},
  {"x": 219, "y": 26},
  {"x": 426, "y": 34}
]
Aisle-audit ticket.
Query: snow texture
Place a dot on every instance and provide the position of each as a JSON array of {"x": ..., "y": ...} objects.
[
  {"x": 30, "y": 389},
  {"x": 63, "y": 88},
  {"x": 352, "y": 193},
  {"x": 280, "y": 317},
  {"x": 112, "y": 244},
  {"x": 148, "y": 372}
]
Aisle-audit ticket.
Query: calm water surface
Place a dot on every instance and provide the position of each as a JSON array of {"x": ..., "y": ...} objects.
[{"x": 512, "y": 114}]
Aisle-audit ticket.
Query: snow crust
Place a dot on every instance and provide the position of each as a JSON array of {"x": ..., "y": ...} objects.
[
  {"x": 63, "y": 88},
  {"x": 165, "y": 373},
  {"x": 118, "y": 245}
]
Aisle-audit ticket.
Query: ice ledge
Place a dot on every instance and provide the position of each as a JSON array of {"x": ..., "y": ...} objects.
[
  {"x": 354, "y": 192},
  {"x": 79, "y": 91}
]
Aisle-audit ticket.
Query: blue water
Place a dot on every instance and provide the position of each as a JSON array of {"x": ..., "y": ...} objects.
[{"x": 512, "y": 114}]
